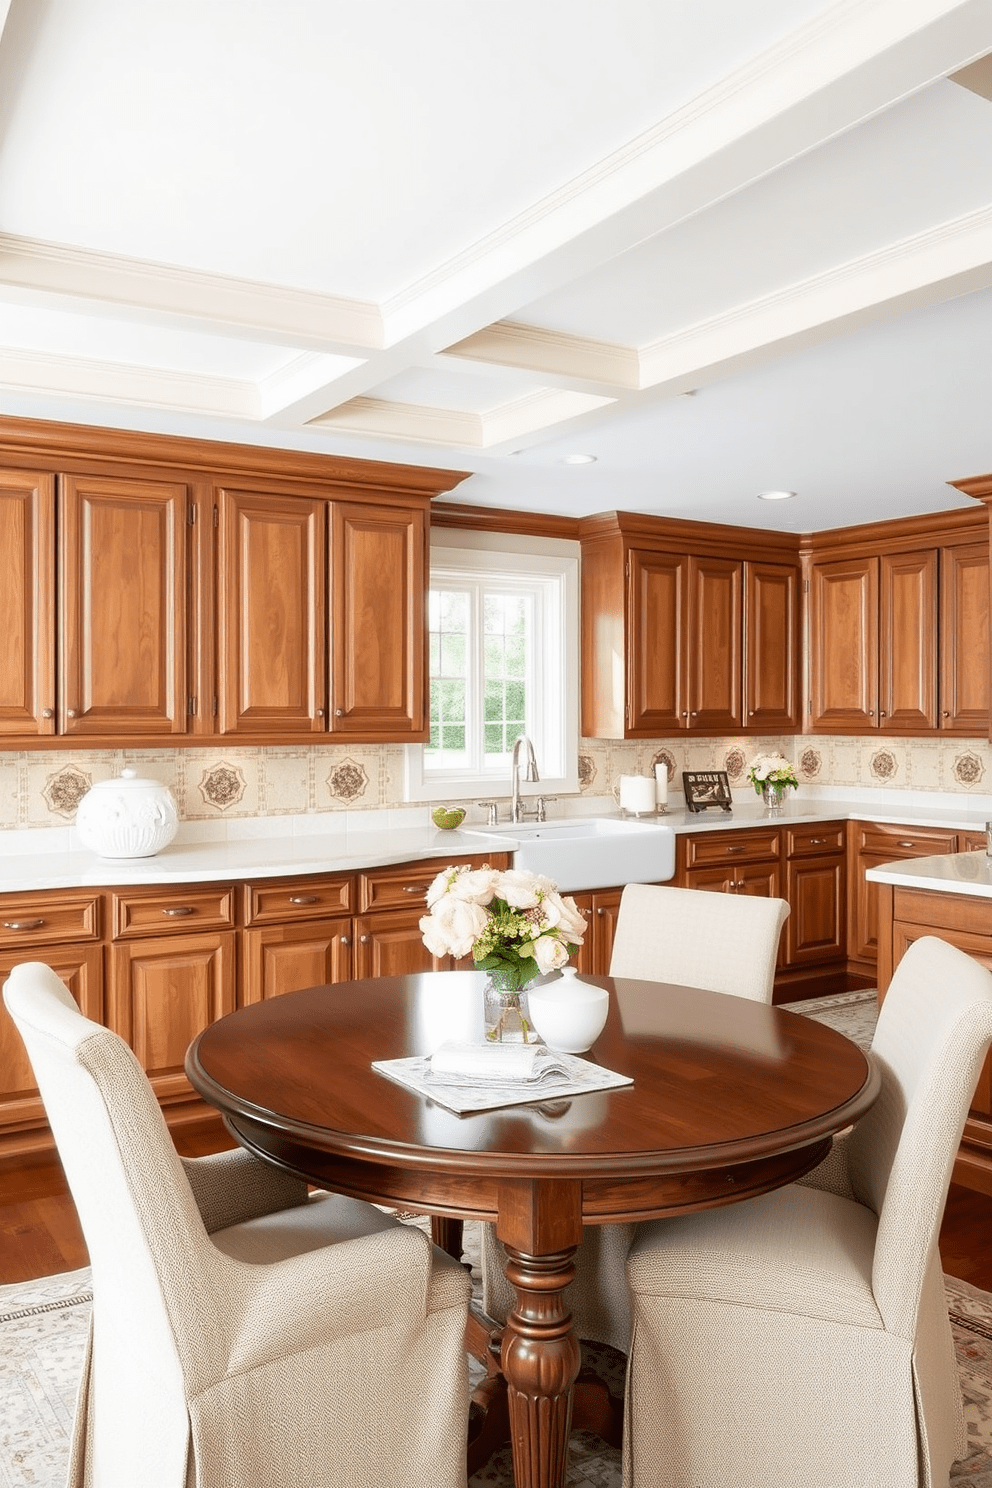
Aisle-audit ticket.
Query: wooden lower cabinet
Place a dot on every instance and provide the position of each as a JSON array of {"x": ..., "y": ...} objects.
[
  {"x": 599, "y": 909},
  {"x": 284, "y": 958},
  {"x": 965, "y": 921},
  {"x": 871, "y": 845},
  {"x": 165, "y": 990}
]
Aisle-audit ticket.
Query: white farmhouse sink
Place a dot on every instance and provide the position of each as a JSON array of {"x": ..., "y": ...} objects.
[{"x": 594, "y": 853}]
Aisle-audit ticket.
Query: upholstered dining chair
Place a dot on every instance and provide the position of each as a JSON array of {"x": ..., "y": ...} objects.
[
  {"x": 802, "y": 1337},
  {"x": 243, "y": 1334},
  {"x": 719, "y": 942}
]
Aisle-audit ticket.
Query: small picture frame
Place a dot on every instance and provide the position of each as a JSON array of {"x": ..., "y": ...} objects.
[{"x": 704, "y": 788}]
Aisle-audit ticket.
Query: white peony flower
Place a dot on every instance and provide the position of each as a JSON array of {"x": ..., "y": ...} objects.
[
  {"x": 475, "y": 885},
  {"x": 519, "y": 888},
  {"x": 454, "y": 927}
]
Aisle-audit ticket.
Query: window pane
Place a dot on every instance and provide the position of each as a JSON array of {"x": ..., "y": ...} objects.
[{"x": 452, "y": 657}]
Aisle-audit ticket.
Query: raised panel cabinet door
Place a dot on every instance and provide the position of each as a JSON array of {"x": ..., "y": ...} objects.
[
  {"x": 605, "y": 908},
  {"x": 657, "y": 592},
  {"x": 771, "y": 646},
  {"x": 844, "y": 645},
  {"x": 816, "y": 929},
  {"x": 163, "y": 992},
  {"x": 965, "y": 659},
  {"x": 907, "y": 688},
  {"x": 123, "y": 602},
  {"x": 284, "y": 958},
  {"x": 270, "y": 614},
  {"x": 391, "y": 944},
  {"x": 379, "y": 575},
  {"x": 81, "y": 968},
  {"x": 27, "y": 603},
  {"x": 715, "y": 651}
]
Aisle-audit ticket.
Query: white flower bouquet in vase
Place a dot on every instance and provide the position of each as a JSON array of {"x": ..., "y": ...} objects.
[
  {"x": 515, "y": 925},
  {"x": 772, "y": 775}
]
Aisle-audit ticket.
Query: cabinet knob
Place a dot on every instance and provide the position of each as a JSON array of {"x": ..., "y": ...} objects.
[
  {"x": 338, "y": 712},
  {"x": 319, "y": 712},
  {"x": 946, "y": 713},
  {"x": 346, "y": 940},
  {"x": 304, "y": 899},
  {"x": 750, "y": 713},
  {"x": 871, "y": 712},
  {"x": 70, "y": 712},
  {"x": 587, "y": 913},
  {"x": 48, "y": 712},
  {"x": 364, "y": 939},
  {"x": 22, "y": 924},
  {"x": 179, "y": 909},
  {"x": 881, "y": 712}
]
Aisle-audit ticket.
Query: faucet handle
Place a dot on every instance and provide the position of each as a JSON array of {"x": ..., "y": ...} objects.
[
  {"x": 542, "y": 802},
  {"x": 492, "y": 820}
]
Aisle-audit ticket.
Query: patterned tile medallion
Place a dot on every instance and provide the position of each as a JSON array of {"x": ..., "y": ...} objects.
[
  {"x": 587, "y": 771},
  {"x": 968, "y": 768},
  {"x": 810, "y": 763},
  {"x": 348, "y": 781},
  {"x": 64, "y": 790},
  {"x": 884, "y": 766},
  {"x": 735, "y": 764},
  {"x": 222, "y": 786}
]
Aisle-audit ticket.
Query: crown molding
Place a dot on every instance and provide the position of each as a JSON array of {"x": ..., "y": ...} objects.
[
  {"x": 140, "y": 387},
  {"x": 423, "y": 424},
  {"x": 913, "y": 267},
  {"x": 510, "y": 343},
  {"x": 451, "y": 514},
  {"x": 208, "y": 302}
]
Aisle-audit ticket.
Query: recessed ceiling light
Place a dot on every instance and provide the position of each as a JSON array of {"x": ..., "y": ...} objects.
[
  {"x": 579, "y": 460},
  {"x": 775, "y": 495}
]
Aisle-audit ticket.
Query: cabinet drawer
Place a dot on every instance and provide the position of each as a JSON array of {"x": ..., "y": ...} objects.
[
  {"x": 55, "y": 919},
  {"x": 288, "y": 899},
  {"x": 404, "y": 884},
  {"x": 815, "y": 840},
  {"x": 901, "y": 842},
  {"x": 193, "y": 907},
  {"x": 733, "y": 847}
]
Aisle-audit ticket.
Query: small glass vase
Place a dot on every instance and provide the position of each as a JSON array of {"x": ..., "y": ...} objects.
[
  {"x": 507, "y": 1018},
  {"x": 775, "y": 796}
]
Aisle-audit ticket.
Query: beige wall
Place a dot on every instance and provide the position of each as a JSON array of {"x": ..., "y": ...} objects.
[{"x": 42, "y": 789}]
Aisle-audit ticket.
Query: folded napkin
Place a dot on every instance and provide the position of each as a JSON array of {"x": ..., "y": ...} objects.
[{"x": 500, "y": 1062}]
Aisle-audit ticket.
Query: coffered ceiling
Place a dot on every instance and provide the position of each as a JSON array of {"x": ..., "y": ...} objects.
[{"x": 723, "y": 248}]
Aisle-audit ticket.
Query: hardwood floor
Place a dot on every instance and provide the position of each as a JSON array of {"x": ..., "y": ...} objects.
[{"x": 40, "y": 1234}]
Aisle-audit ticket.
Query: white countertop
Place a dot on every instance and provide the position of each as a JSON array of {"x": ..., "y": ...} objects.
[
  {"x": 278, "y": 847},
  {"x": 953, "y": 873}
]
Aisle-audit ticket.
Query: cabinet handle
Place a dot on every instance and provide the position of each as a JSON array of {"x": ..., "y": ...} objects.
[
  {"x": 364, "y": 939},
  {"x": 905, "y": 844},
  {"x": 22, "y": 924},
  {"x": 47, "y": 713},
  {"x": 180, "y": 909},
  {"x": 415, "y": 888},
  {"x": 346, "y": 940},
  {"x": 304, "y": 899},
  {"x": 738, "y": 848},
  {"x": 601, "y": 911},
  {"x": 816, "y": 841}
]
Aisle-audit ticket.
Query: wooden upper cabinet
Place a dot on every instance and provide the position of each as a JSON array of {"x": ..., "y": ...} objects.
[
  {"x": 657, "y": 591},
  {"x": 843, "y": 599},
  {"x": 270, "y": 613},
  {"x": 907, "y": 692},
  {"x": 715, "y": 658},
  {"x": 965, "y": 659},
  {"x": 27, "y": 608},
  {"x": 771, "y": 646},
  {"x": 123, "y": 607},
  {"x": 379, "y": 573}
]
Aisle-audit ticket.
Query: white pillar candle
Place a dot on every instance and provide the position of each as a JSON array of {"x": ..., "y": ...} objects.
[
  {"x": 661, "y": 784},
  {"x": 636, "y": 793}
]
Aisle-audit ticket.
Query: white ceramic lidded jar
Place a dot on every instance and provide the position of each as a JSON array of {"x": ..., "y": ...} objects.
[
  {"x": 129, "y": 817},
  {"x": 568, "y": 1013}
]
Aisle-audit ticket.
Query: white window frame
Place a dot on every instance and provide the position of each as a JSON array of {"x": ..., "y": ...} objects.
[{"x": 554, "y": 579}]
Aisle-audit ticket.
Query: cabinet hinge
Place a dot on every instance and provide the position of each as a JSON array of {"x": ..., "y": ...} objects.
[
  {"x": 216, "y": 516},
  {"x": 191, "y": 707},
  {"x": 192, "y": 515}
]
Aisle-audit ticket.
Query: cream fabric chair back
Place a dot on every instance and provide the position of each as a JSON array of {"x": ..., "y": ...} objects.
[
  {"x": 721, "y": 942},
  {"x": 302, "y": 1340},
  {"x": 933, "y": 1029}
]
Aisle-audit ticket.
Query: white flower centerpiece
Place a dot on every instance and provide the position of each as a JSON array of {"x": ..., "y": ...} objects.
[
  {"x": 772, "y": 775},
  {"x": 515, "y": 925}
]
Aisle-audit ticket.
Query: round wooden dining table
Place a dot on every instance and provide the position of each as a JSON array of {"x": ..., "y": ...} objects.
[{"x": 730, "y": 1098}]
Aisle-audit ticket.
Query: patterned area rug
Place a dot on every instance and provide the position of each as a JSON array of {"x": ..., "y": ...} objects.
[{"x": 43, "y": 1327}]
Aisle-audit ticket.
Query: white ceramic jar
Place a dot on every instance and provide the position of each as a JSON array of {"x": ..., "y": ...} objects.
[
  {"x": 568, "y": 1013},
  {"x": 129, "y": 817}
]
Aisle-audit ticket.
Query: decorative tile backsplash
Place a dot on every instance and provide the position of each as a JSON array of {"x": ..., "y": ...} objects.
[{"x": 43, "y": 789}]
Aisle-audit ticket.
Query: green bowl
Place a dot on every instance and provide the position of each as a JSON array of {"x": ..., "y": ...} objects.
[{"x": 448, "y": 817}]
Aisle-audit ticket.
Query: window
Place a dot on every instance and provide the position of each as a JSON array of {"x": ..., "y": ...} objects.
[{"x": 503, "y": 661}]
